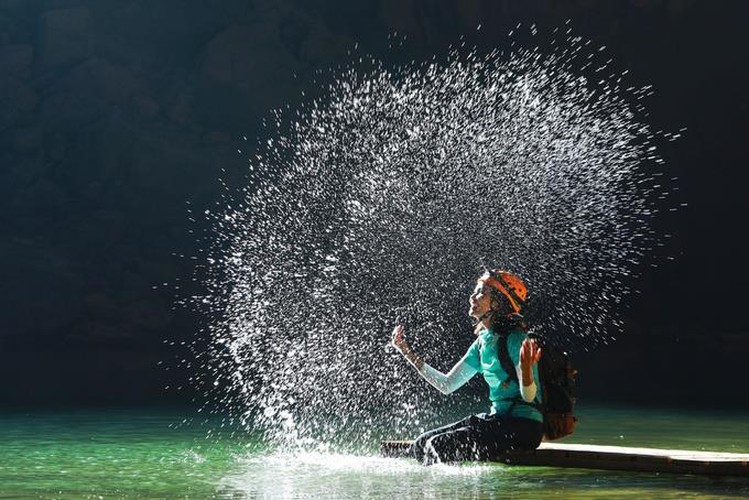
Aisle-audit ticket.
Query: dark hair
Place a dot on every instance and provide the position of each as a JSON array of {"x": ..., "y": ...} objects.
[
  {"x": 505, "y": 307},
  {"x": 501, "y": 314}
]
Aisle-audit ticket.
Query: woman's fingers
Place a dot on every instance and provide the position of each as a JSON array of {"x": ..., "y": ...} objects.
[
  {"x": 530, "y": 352},
  {"x": 528, "y": 346},
  {"x": 398, "y": 335},
  {"x": 525, "y": 353}
]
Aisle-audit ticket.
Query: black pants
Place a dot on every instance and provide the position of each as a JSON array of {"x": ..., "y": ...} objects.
[{"x": 478, "y": 437}]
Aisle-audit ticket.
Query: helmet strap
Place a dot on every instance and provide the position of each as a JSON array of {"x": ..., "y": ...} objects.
[
  {"x": 484, "y": 316},
  {"x": 491, "y": 312}
]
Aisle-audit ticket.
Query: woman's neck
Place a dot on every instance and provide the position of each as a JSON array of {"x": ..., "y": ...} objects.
[
  {"x": 497, "y": 322},
  {"x": 484, "y": 323}
]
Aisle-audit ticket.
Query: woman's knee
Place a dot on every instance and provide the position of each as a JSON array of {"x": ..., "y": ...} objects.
[
  {"x": 418, "y": 448},
  {"x": 422, "y": 439},
  {"x": 451, "y": 447}
]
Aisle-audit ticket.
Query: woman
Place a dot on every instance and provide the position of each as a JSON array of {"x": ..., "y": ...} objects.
[{"x": 514, "y": 421}]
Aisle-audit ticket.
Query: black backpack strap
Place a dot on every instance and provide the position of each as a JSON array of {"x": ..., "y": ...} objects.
[
  {"x": 506, "y": 325},
  {"x": 503, "y": 352}
]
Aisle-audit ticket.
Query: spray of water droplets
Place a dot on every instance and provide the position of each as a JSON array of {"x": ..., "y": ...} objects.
[{"x": 382, "y": 202}]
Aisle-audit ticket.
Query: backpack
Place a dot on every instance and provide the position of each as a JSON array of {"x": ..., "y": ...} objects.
[{"x": 557, "y": 387}]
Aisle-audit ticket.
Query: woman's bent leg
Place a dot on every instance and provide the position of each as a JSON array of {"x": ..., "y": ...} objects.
[
  {"x": 453, "y": 446},
  {"x": 510, "y": 434},
  {"x": 482, "y": 438},
  {"x": 418, "y": 447}
]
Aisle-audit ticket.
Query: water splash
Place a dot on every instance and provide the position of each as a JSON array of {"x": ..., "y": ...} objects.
[
  {"x": 384, "y": 199},
  {"x": 324, "y": 475}
]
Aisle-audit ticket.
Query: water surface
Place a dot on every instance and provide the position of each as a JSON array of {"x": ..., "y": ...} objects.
[{"x": 173, "y": 454}]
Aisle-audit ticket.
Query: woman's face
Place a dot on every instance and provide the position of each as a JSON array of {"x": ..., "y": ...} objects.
[{"x": 480, "y": 301}]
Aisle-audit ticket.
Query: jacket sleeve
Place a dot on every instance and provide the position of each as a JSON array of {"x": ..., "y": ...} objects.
[{"x": 461, "y": 373}]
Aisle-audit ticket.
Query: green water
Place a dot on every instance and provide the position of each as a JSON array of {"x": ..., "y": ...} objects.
[{"x": 152, "y": 454}]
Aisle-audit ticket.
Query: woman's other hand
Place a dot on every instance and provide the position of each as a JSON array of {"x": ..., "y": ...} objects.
[{"x": 530, "y": 354}]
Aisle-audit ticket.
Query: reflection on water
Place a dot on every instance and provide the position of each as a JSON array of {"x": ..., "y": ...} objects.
[
  {"x": 312, "y": 475},
  {"x": 144, "y": 454},
  {"x": 333, "y": 476}
]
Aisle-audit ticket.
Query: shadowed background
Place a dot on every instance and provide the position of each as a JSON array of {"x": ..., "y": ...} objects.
[{"x": 114, "y": 115}]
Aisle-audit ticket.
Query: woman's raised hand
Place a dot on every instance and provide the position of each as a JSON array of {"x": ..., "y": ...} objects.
[
  {"x": 398, "y": 341},
  {"x": 530, "y": 354}
]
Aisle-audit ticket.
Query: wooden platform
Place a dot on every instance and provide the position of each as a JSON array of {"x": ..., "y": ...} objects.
[{"x": 614, "y": 458}]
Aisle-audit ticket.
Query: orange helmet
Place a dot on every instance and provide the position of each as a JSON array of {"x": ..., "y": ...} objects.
[{"x": 509, "y": 284}]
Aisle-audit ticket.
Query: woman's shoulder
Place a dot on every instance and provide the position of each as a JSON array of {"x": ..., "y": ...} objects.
[
  {"x": 516, "y": 336},
  {"x": 518, "y": 332}
]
